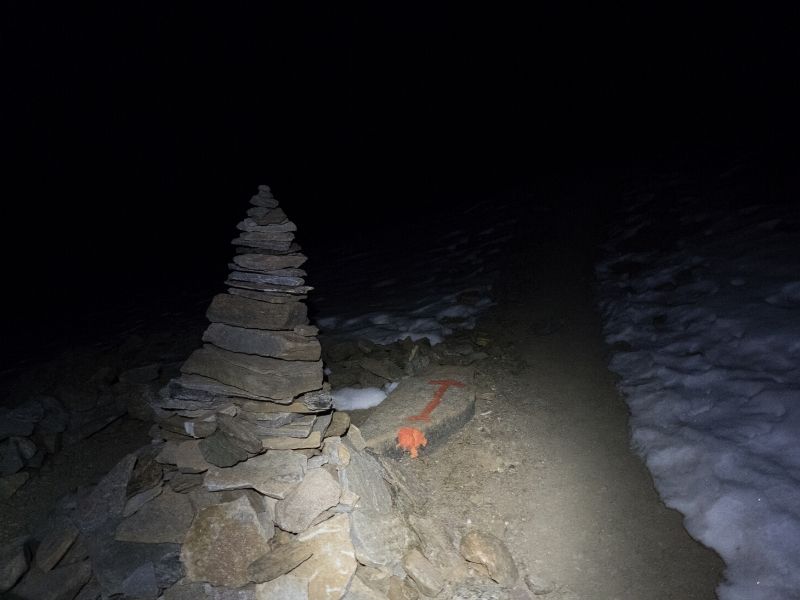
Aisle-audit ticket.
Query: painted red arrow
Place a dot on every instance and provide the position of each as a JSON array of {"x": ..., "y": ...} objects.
[{"x": 443, "y": 384}]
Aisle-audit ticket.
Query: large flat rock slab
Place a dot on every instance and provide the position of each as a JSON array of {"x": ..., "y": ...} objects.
[{"x": 422, "y": 412}]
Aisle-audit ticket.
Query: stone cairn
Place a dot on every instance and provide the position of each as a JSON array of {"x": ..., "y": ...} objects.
[
  {"x": 256, "y": 384},
  {"x": 253, "y": 488}
]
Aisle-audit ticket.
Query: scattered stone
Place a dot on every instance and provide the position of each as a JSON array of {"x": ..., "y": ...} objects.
[
  {"x": 136, "y": 502},
  {"x": 286, "y": 345},
  {"x": 425, "y": 575},
  {"x": 317, "y": 492},
  {"x": 273, "y": 474},
  {"x": 107, "y": 499},
  {"x": 281, "y": 559},
  {"x": 243, "y": 434},
  {"x": 333, "y": 562},
  {"x": 146, "y": 474},
  {"x": 386, "y": 369},
  {"x": 283, "y": 380},
  {"x": 141, "y": 583},
  {"x": 486, "y": 549},
  {"x": 222, "y": 542},
  {"x": 63, "y": 583},
  {"x": 540, "y": 586},
  {"x": 252, "y": 314},
  {"x": 438, "y": 548},
  {"x": 363, "y": 476},
  {"x": 13, "y": 563},
  {"x": 164, "y": 520},
  {"x": 114, "y": 561},
  {"x": 11, "y": 483},
  {"x": 401, "y": 589},
  {"x": 288, "y": 443},
  {"x": 55, "y": 545},
  {"x": 380, "y": 539},
  {"x": 189, "y": 458},
  {"x": 221, "y": 451},
  {"x": 340, "y": 423},
  {"x": 182, "y": 482},
  {"x": 143, "y": 374},
  {"x": 361, "y": 591}
]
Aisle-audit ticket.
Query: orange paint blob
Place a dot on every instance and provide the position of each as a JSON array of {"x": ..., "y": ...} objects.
[{"x": 411, "y": 439}]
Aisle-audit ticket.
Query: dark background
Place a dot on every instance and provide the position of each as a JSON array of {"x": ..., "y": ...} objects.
[{"x": 134, "y": 133}]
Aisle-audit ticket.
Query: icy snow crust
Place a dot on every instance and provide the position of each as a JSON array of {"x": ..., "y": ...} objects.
[
  {"x": 705, "y": 325},
  {"x": 424, "y": 282}
]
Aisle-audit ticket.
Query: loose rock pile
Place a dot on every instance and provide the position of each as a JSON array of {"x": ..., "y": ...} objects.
[{"x": 253, "y": 488}]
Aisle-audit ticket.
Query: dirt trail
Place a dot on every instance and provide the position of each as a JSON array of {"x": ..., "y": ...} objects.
[{"x": 546, "y": 464}]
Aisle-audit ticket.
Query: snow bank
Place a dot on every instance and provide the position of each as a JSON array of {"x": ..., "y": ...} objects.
[
  {"x": 360, "y": 398},
  {"x": 707, "y": 333}
]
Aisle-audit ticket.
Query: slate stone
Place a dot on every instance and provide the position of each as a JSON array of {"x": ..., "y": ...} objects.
[
  {"x": 240, "y": 432},
  {"x": 276, "y": 215},
  {"x": 317, "y": 492},
  {"x": 268, "y": 287},
  {"x": 185, "y": 590},
  {"x": 486, "y": 549},
  {"x": 252, "y": 277},
  {"x": 107, "y": 499},
  {"x": 13, "y": 563},
  {"x": 289, "y": 443},
  {"x": 278, "y": 344},
  {"x": 247, "y": 240},
  {"x": 146, "y": 474},
  {"x": 20, "y": 421},
  {"x": 363, "y": 475},
  {"x": 332, "y": 564},
  {"x": 59, "y": 584},
  {"x": 197, "y": 392},
  {"x": 166, "y": 455},
  {"x": 273, "y": 474},
  {"x": 143, "y": 374},
  {"x": 438, "y": 547},
  {"x": 189, "y": 458},
  {"x": 115, "y": 561},
  {"x": 361, "y": 591},
  {"x": 299, "y": 427},
  {"x": 401, "y": 589},
  {"x": 264, "y": 296},
  {"x": 141, "y": 583},
  {"x": 90, "y": 591},
  {"x": 263, "y": 233},
  {"x": 195, "y": 428},
  {"x": 55, "y": 544},
  {"x": 380, "y": 539},
  {"x": 270, "y": 377},
  {"x": 409, "y": 406},
  {"x": 286, "y": 587},
  {"x": 221, "y": 451},
  {"x": 134, "y": 503},
  {"x": 11, "y": 483},
  {"x": 425, "y": 575},
  {"x": 253, "y": 224},
  {"x": 165, "y": 519},
  {"x": 252, "y": 314},
  {"x": 281, "y": 559},
  {"x": 382, "y": 368},
  {"x": 182, "y": 482},
  {"x": 222, "y": 542},
  {"x": 340, "y": 423},
  {"x": 11, "y": 459}
]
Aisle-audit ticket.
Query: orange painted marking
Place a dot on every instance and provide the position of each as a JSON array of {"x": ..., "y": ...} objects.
[
  {"x": 443, "y": 384},
  {"x": 411, "y": 439}
]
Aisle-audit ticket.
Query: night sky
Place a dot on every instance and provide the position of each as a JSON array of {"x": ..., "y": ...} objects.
[{"x": 134, "y": 133}]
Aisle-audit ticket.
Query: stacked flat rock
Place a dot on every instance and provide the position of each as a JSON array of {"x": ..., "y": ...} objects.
[{"x": 256, "y": 383}]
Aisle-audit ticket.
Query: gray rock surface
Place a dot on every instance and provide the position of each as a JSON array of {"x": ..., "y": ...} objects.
[
  {"x": 281, "y": 559},
  {"x": 13, "y": 563},
  {"x": 189, "y": 458},
  {"x": 185, "y": 590},
  {"x": 279, "y": 344},
  {"x": 486, "y": 549},
  {"x": 317, "y": 492},
  {"x": 252, "y": 314},
  {"x": 222, "y": 542},
  {"x": 381, "y": 539},
  {"x": 166, "y": 519},
  {"x": 55, "y": 544},
  {"x": 273, "y": 474},
  {"x": 59, "y": 584},
  {"x": 425, "y": 575},
  {"x": 285, "y": 587},
  {"x": 269, "y": 377},
  {"x": 221, "y": 451},
  {"x": 240, "y": 432}
]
